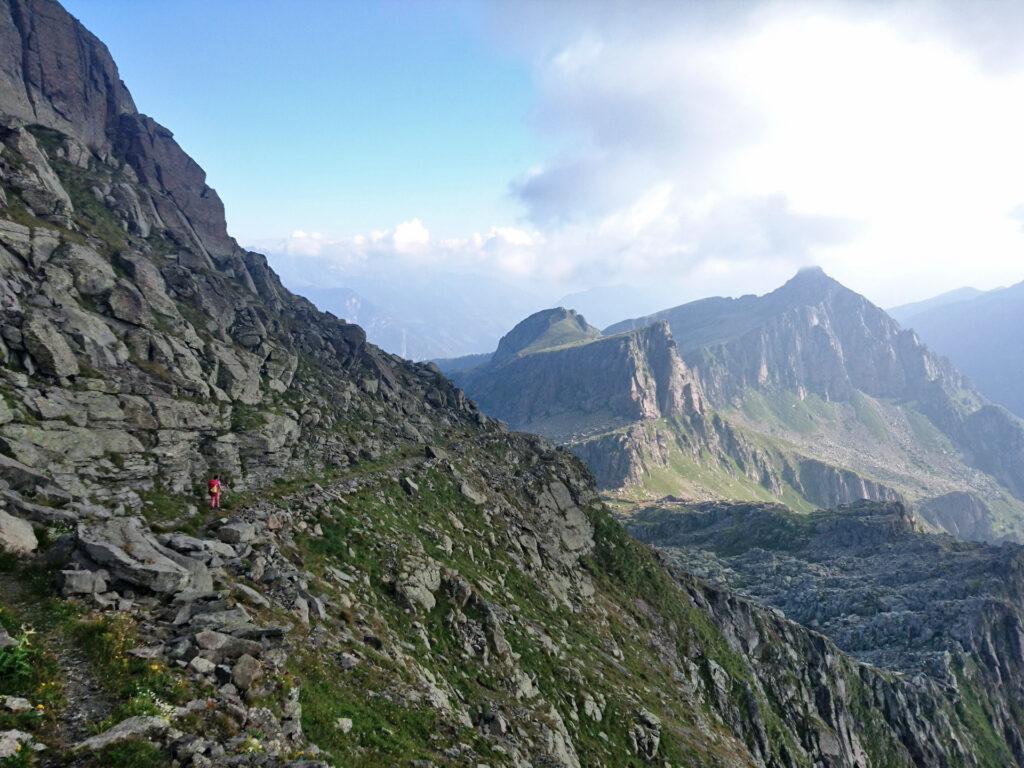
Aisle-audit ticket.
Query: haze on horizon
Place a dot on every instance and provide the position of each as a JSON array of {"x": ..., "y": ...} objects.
[{"x": 686, "y": 150}]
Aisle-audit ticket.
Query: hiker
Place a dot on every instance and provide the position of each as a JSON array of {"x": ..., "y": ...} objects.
[{"x": 214, "y": 488}]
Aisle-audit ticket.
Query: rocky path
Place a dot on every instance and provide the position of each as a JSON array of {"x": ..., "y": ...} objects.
[{"x": 87, "y": 703}]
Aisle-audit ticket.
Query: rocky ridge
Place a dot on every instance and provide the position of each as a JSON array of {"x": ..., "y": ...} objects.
[
  {"x": 630, "y": 407},
  {"x": 868, "y": 577},
  {"x": 586, "y": 385},
  {"x": 394, "y": 580},
  {"x": 817, "y": 340}
]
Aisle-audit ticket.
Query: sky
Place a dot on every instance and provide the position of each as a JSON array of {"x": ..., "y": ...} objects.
[{"x": 682, "y": 149}]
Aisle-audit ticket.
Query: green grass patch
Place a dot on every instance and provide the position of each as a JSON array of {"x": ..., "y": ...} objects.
[
  {"x": 131, "y": 754},
  {"x": 106, "y": 641},
  {"x": 384, "y": 732},
  {"x": 869, "y": 414}
]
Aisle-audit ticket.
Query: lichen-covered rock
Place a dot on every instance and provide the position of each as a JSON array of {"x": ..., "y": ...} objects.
[
  {"x": 417, "y": 582},
  {"x": 16, "y": 535},
  {"x": 48, "y": 348},
  {"x": 139, "y": 727},
  {"x": 127, "y": 549}
]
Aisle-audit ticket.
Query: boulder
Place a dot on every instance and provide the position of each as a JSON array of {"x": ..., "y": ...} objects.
[
  {"x": 237, "y": 533},
  {"x": 472, "y": 494},
  {"x": 15, "y": 704},
  {"x": 126, "y": 303},
  {"x": 18, "y": 476},
  {"x": 131, "y": 553},
  {"x": 48, "y": 348},
  {"x": 16, "y": 535},
  {"x": 646, "y": 735},
  {"x": 127, "y": 730},
  {"x": 419, "y": 580},
  {"x": 92, "y": 273},
  {"x": 247, "y": 670},
  {"x": 12, "y": 742},
  {"x": 82, "y": 582}
]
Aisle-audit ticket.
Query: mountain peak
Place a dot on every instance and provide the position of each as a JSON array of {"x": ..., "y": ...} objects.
[
  {"x": 543, "y": 330},
  {"x": 809, "y": 284}
]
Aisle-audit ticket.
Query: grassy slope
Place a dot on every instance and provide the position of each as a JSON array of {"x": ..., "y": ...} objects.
[
  {"x": 604, "y": 650},
  {"x": 566, "y": 332},
  {"x": 890, "y": 443}
]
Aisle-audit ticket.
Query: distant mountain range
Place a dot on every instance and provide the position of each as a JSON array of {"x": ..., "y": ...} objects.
[
  {"x": 809, "y": 395},
  {"x": 905, "y": 312},
  {"x": 418, "y": 315},
  {"x": 982, "y": 333}
]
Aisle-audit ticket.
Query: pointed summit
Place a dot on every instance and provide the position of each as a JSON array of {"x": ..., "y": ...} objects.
[{"x": 808, "y": 284}]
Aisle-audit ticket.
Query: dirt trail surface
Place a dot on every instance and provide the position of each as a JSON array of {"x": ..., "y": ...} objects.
[{"x": 87, "y": 703}]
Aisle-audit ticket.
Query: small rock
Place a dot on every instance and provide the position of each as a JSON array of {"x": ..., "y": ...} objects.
[
  {"x": 409, "y": 486},
  {"x": 209, "y": 640},
  {"x": 202, "y": 666},
  {"x": 301, "y": 609},
  {"x": 433, "y": 452},
  {"x": 347, "y": 661},
  {"x": 343, "y": 724},
  {"x": 15, "y": 704},
  {"x": 251, "y": 595}
]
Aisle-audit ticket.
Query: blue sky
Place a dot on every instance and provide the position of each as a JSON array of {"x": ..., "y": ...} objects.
[
  {"x": 686, "y": 149},
  {"x": 331, "y": 116}
]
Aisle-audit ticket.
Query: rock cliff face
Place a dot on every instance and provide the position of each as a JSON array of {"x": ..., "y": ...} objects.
[
  {"x": 631, "y": 408},
  {"x": 584, "y": 386},
  {"x": 962, "y": 514},
  {"x": 393, "y": 579},
  {"x": 814, "y": 338},
  {"x": 142, "y": 347},
  {"x": 810, "y": 335},
  {"x": 865, "y": 576}
]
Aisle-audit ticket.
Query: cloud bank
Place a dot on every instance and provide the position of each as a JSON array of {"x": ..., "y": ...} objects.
[{"x": 717, "y": 147}]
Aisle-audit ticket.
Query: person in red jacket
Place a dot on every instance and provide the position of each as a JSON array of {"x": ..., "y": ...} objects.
[{"x": 214, "y": 488}]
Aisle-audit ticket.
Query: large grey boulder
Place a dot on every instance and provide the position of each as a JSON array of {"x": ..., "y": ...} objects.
[
  {"x": 130, "y": 552},
  {"x": 48, "y": 348},
  {"x": 419, "y": 579},
  {"x": 16, "y": 535},
  {"x": 19, "y": 476},
  {"x": 239, "y": 532}
]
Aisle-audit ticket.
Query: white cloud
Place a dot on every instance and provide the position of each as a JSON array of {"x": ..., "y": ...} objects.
[
  {"x": 886, "y": 135},
  {"x": 410, "y": 236}
]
